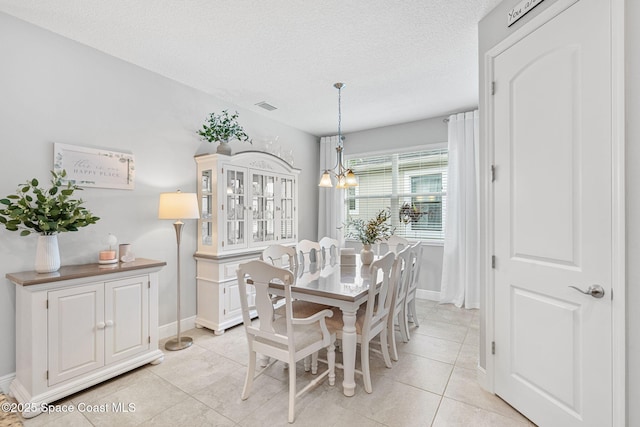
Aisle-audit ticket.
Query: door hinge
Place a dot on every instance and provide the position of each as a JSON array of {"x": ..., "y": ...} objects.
[
  {"x": 47, "y": 374},
  {"x": 493, "y": 261},
  {"x": 222, "y": 243},
  {"x": 222, "y": 171},
  {"x": 47, "y": 304},
  {"x": 149, "y": 284},
  {"x": 493, "y": 88},
  {"x": 149, "y": 339},
  {"x": 493, "y": 173},
  {"x": 493, "y": 347},
  {"x": 222, "y": 208},
  {"x": 224, "y": 312},
  {"x": 224, "y": 290}
]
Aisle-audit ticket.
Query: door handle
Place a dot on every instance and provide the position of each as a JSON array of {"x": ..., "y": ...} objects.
[{"x": 595, "y": 291}]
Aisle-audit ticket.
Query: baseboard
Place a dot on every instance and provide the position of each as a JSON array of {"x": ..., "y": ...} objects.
[
  {"x": 430, "y": 295},
  {"x": 5, "y": 381},
  {"x": 171, "y": 329},
  {"x": 481, "y": 376}
]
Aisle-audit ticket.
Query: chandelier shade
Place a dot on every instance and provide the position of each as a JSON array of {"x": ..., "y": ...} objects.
[{"x": 344, "y": 177}]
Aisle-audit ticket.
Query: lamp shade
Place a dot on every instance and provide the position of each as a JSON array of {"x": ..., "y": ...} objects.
[
  {"x": 351, "y": 180},
  {"x": 178, "y": 205},
  {"x": 325, "y": 181}
]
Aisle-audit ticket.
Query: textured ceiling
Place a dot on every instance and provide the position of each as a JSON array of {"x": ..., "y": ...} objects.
[{"x": 400, "y": 60}]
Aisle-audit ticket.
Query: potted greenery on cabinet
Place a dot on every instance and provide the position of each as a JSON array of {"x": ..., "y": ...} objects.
[
  {"x": 223, "y": 128},
  {"x": 46, "y": 212}
]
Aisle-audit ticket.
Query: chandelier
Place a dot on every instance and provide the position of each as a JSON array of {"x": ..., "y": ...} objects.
[{"x": 345, "y": 177}]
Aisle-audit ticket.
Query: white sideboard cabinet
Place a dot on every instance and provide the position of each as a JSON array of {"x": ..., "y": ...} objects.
[
  {"x": 82, "y": 325},
  {"x": 248, "y": 201}
]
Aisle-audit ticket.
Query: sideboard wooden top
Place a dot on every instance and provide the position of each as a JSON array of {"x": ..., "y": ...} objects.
[{"x": 67, "y": 272}]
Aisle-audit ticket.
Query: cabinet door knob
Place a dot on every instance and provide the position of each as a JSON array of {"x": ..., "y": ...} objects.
[
  {"x": 109, "y": 322},
  {"x": 100, "y": 325}
]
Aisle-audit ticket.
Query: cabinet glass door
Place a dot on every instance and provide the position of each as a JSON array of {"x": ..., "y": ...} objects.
[
  {"x": 234, "y": 209},
  {"x": 287, "y": 209},
  {"x": 263, "y": 207},
  {"x": 206, "y": 208}
]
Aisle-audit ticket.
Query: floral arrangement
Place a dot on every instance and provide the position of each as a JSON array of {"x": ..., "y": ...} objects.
[
  {"x": 371, "y": 231},
  {"x": 408, "y": 212},
  {"x": 223, "y": 127},
  {"x": 47, "y": 212}
]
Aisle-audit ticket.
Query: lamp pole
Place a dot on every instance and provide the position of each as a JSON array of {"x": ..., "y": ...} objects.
[{"x": 178, "y": 343}]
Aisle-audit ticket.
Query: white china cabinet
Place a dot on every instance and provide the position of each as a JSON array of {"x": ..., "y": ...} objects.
[{"x": 247, "y": 202}]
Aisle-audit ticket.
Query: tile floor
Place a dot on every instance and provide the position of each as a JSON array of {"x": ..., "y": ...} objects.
[{"x": 433, "y": 384}]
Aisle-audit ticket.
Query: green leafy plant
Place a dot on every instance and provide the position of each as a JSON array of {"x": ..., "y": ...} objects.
[
  {"x": 371, "y": 231},
  {"x": 45, "y": 211},
  {"x": 223, "y": 127}
]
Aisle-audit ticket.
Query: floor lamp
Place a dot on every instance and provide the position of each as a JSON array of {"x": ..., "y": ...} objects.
[{"x": 178, "y": 206}]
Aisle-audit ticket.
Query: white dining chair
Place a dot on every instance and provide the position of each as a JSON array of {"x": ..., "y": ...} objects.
[
  {"x": 330, "y": 248},
  {"x": 281, "y": 256},
  {"x": 393, "y": 244},
  {"x": 305, "y": 248},
  {"x": 286, "y": 257},
  {"x": 401, "y": 278},
  {"x": 371, "y": 320},
  {"x": 412, "y": 290},
  {"x": 287, "y": 338}
]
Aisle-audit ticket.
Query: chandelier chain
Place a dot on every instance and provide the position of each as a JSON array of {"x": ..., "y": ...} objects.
[{"x": 339, "y": 115}]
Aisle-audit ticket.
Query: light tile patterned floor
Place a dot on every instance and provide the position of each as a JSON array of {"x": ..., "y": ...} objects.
[{"x": 433, "y": 384}]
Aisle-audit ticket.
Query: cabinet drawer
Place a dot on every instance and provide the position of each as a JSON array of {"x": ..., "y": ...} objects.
[
  {"x": 216, "y": 272},
  {"x": 230, "y": 270}
]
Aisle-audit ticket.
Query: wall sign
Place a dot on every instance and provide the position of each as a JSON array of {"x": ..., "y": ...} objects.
[
  {"x": 520, "y": 10},
  {"x": 90, "y": 167}
]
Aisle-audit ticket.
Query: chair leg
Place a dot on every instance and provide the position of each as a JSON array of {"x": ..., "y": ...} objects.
[
  {"x": 366, "y": 372},
  {"x": 403, "y": 323},
  {"x": 264, "y": 361},
  {"x": 251, "y": 371},
  {"x": 331, "y": 360},
  {"x": 391, "y": 338},
  {"x": 292, "y": 391},
  {"x": 412, "y": 309},
  {"x": 314, "y": 363},
  {"x": 307, "y": 364},
  {"x": 385, "y": 348}
]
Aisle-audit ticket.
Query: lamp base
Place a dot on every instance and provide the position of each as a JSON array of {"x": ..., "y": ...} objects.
[{"x": 173, "y": 344}]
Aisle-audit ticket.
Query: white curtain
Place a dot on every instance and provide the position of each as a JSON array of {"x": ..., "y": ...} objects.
[
  {"x": 331, "y": 202},
  {"x": 461, "y": 270}
]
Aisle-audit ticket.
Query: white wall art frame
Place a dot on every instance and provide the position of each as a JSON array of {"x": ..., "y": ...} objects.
[{"x": 91, "y": 167}]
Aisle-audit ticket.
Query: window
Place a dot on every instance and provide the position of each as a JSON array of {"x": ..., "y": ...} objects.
[
  {"x": 413, "y": 186},
  {"x": 352, "y": 200}
]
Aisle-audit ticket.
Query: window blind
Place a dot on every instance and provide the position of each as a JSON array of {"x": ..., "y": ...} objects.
[{"x": 413, "y": 186}]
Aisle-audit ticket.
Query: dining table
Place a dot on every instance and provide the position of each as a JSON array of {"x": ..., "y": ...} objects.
[{"x": 345, "y": 286}]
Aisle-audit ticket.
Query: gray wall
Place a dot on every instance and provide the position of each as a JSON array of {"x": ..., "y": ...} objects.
[
  {"x": 492, "y": 29},
  {"x": 632, "y": 89},
  {"x": 56, "y": 90},
  {"x": 402, "y": 136}
]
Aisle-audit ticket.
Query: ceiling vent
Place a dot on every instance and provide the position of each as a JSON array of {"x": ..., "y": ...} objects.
[{"x": 266, "y": 106}]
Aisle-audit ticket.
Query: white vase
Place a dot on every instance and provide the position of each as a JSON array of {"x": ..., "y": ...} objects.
[
  {"x": 47, "y": 254},
  {"x": 366, "y": 255},
  {"x": 224, "y": 148}
]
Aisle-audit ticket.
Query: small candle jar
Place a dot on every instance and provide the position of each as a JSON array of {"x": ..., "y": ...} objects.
[{"x": 107, "y": 255}]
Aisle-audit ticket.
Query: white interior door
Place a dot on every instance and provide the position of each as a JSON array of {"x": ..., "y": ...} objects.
[{"x": 553, "y": 221}]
